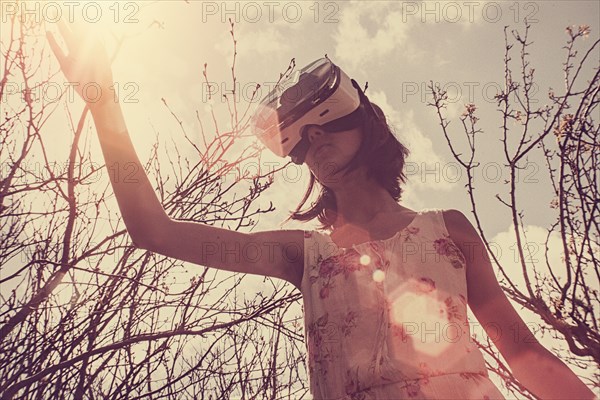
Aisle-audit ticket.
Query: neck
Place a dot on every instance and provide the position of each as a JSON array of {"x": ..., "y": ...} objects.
[{"x": 360, "y": 200}]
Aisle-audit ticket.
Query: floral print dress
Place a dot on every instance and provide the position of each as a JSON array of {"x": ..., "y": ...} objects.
[{"x": 387, "y": 319}]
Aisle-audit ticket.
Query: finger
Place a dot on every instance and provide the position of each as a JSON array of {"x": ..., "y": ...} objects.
[
  {"x": 67, "y": 34},
  {"x": 60, "y": 56}
]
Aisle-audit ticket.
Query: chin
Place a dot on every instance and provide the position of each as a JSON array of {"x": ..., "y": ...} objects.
[{"x": 329, "y": 174}]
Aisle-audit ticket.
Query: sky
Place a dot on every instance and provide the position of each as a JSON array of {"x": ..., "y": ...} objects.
[{"x": 395, "y": 46}]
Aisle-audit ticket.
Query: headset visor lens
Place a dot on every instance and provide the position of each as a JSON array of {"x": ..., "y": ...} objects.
[{"x": 293, "y": 97}]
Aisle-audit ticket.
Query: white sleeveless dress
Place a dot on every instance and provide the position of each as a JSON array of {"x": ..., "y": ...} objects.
[{"x": 387, "y": 319}]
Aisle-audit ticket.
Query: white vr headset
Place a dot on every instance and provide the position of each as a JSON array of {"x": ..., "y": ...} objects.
[{"x": 318, "y": 94}]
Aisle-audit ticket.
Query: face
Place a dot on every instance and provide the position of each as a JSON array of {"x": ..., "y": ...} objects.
[{"x": 326, "y": 163}]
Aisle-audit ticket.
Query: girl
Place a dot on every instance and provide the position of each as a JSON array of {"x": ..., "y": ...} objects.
[{"x": 385, "y": 293}]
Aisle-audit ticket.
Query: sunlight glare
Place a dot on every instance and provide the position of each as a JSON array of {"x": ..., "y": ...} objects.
[
  {"x": 96, "y": 17},
  {"x": 378, "y": 275},
  {"x": 420, "y": 314}
]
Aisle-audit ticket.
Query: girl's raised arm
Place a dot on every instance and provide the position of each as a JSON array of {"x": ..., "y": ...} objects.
[
  {"x": 88, "y": 66},
  {"x": 278, "y": 254}
]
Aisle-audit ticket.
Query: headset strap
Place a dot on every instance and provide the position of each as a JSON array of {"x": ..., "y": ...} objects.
[{"x": 370, "y": 109}]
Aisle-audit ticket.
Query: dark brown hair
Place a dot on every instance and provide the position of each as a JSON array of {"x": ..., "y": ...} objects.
[{"x": 385, "y": 164}]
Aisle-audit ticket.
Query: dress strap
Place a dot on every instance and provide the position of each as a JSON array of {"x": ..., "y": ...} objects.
[{"x": 438, "y": 223}]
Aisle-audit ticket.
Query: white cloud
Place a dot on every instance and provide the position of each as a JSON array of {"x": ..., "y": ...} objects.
[
  {"x": 536, "y": 252},
  {"x": 466, "y": 14},
  {"x": 355, "y": 44},
  {"x": 419, "y": 144},
  {"x": 505, "y": 249},
  {"x": 255, "y": 41}
]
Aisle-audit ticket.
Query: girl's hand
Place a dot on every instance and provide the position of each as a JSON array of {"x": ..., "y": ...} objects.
[{"x": 87, "y": 67}]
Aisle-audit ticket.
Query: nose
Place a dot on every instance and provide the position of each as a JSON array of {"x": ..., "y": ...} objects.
[{"x": 314, "y": 133}]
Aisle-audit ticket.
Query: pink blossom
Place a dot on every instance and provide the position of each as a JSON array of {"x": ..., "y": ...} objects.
[
  {"x": 413, "y": 389},
  {"x": 327, "y": 267},
  {"x": 413, "y": 230},
  {"x": 426, "y": 284},
  {"x": 442, "y": 246},
  {"x": 324, "y": 292}
]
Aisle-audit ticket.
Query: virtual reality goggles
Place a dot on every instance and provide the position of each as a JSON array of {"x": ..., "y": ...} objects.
[{"x": 318, "y": 94}]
